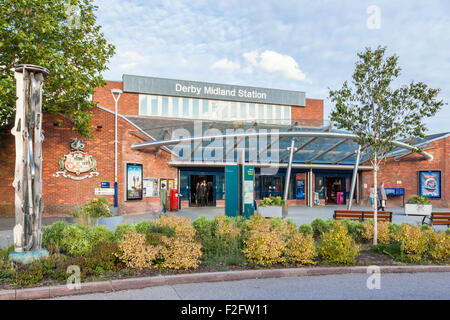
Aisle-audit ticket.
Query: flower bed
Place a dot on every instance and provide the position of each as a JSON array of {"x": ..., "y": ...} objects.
[{"x": 174, "y": 244}]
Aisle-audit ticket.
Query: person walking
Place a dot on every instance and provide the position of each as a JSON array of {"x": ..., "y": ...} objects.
[
  {"x": 197, "y": 198},
  {"x": 372, "y": 195},
  {"x": 381, "y": 196},
  {"x": 202, "y": 193},
  {"x": 164, "y": 198}
]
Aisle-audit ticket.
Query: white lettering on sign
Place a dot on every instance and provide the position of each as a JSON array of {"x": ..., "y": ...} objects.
[
  {"x": 104, "y": 191},
  {"x": 217, "y": 91},
  {"x": 188, "y": 89}
]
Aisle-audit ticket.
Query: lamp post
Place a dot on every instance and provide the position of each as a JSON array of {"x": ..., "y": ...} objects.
[{"x": 116, "y": 95}]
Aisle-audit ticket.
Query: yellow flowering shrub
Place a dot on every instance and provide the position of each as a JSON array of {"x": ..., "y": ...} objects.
[
  {"x": 227, "y": 228},
  {"x": 384, "y": 234},
  {"x": 264, "y": 248},
  {"x": 135, "y": 253},
  {"x": 259, "y": 224},
  {"x": 284, "y": 228},
  {"x": 182, "y": 226},
  {"x": 438, "y": 246},
  {"x": 180, "y": 254},
  {"x": 301, "y": 249},
  {"x": 337, "y": 246},
  {"x": 413, "y": 242}
]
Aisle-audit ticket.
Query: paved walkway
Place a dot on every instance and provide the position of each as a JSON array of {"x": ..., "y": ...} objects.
[
  {"x": 393, "y": 286},
  {"x": 299, "y": 215}
]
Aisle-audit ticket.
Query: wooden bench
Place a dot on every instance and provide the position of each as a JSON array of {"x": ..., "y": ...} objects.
[
  {"x": 356, "y": 215},
  {"x": 438, "y": 218}
]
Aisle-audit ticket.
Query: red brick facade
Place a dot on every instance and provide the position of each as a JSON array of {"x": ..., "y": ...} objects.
[
  {"x": 406, "y": 171},
  {"x": 61, "y": 195},
  {"x": 310, "y": 115}
]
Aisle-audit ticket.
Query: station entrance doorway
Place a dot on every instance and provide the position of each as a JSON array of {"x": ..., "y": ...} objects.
[
  {"x": 202, "y": 196},
  {"x": 334, "y": 190}
]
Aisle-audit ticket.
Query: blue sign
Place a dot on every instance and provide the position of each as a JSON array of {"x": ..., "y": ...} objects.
[
  {"x": 300, "y": 189},
  {"x": 430, "y": 184},
  {"x": 105, "y": 185}
]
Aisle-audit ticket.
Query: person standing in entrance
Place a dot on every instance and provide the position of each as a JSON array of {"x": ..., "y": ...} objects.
[
  {"x": 163, "y": 198},
  {"x": 382, "y": 197}
]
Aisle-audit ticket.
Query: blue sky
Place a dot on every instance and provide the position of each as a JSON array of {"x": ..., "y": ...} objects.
[{"x": 295, "y": 45}]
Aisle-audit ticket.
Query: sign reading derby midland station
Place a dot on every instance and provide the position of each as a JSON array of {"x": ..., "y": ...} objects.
[{"x": 195, "y": 89}]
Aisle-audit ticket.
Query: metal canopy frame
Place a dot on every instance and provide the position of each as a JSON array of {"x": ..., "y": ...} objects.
[{"x": 289, "y": 132}]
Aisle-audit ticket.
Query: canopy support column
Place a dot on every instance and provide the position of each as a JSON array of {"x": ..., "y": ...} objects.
[
  {"x": 288, "y": 171},
  {"x": 355, "y": 172}
]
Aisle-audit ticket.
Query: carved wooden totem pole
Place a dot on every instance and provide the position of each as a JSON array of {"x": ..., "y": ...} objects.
[{"x": 28, "y": 172}]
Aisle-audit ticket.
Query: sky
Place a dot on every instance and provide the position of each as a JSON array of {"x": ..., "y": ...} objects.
[{"x": 308, "y": 46}]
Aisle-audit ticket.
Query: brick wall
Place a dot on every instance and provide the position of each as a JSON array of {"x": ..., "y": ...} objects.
[
  {"x": 407, "y": 171},
  {"x": 128, "y": 103},
  {"x": 310, "y": 115},
  {"x": 61, "y": 195}
]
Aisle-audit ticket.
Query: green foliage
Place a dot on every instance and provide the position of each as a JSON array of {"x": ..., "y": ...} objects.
[
  {"x": 143, "y": 227},
  {"x": 24, "y": 276},
  {"x": 306, "y": 229},
  {"x": 221, "y": 239},
  {"x": 273, "y": 201},
  {"x": 320, "y": 226},
  {"x": 415, "y": 199},
  {"x": 75, "y": 240},
  {"x": 121, "y": 230},
  {"x": 96, "y": 208},
  {"x": 337, "y": 246},
  {"x": 99, "y": 234},
  {"x": 78, "y": 239},
  {"x": 52, "y": 236},
  {"x": 40, "y": 32},
  {"x": 354, "y": 228},
  {"x": 378, "y": 113}
]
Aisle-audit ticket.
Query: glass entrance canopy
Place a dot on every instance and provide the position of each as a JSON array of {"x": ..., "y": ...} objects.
[{"x": 217, "y": 142}]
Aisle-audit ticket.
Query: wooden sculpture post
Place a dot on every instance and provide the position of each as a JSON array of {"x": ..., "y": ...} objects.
[{"x": 28, "y": 172}]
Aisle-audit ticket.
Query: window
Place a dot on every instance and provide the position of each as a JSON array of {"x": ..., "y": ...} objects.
[
  {"x": 233, "y": 110},
  {"x": 195, "y": 108},
  {"x": 154, "y": 106},
  {"x": 185, "y": 107},
  {"x": 251, "y": 111},
  {"x": 165, "y": 106},
  {"x": 243, "y": 111},
  {"x": 175, "y": 109},
  {"x": 143, "y": 106},
  {"x": 205, "y": 106}
]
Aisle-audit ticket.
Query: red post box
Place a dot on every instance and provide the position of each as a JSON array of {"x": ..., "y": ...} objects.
[{"x": 173, "y": 199}]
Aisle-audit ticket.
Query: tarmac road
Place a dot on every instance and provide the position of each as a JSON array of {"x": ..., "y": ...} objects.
[{"x": 393, "y": 286}]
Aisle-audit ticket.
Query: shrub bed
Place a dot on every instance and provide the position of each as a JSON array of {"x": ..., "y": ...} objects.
[{"x": 174, "y": 244}]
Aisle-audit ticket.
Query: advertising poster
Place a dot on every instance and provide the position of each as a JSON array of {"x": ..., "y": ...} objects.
[
  {"x": 430, "y": 184},
  {"x": 170, "y": 184},
  {"x": 300, "y": 189},
  {"x": 134, "y": 181},
  {"x": 151, "y": 187}
]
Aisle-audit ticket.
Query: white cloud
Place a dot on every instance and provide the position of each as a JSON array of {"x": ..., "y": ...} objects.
[
  {"x": 130, "y": 59},
  {"x": 272, "y": 61},
  {"x": 226, "y": 64}
]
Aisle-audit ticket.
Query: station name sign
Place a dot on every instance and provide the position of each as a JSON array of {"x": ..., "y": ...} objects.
[
  {"x": 195, "y": 89},
  {"x": 217, "y": 91}
]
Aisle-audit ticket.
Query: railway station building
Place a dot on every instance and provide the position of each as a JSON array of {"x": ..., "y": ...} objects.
[{"x": 152, "y": 132}]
